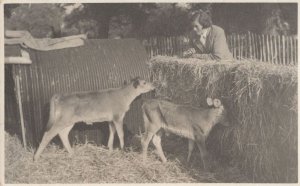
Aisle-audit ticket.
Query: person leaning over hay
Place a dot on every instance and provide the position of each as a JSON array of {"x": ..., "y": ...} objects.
[{"x": 207, "y": 41}]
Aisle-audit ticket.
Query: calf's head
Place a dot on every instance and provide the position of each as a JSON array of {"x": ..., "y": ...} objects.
[
  {"x": 141, "y": 85},
  {"x": 222, "y": 116}
]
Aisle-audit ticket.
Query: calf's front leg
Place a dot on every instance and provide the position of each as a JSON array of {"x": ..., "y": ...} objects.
[
  {"x": 190, "y": 148},
  {"x": 112, "y": 131},
  {"x": 157, "y": 143}
]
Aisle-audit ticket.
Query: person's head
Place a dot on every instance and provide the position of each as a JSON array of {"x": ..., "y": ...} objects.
[{"x": 200, "y": 20}]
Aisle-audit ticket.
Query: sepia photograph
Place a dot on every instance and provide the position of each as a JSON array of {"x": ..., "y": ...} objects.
[{"x": 150, "y": 92}]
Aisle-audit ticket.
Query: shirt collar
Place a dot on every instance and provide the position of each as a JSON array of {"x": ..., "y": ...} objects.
[{"x": 205, "y": 32}]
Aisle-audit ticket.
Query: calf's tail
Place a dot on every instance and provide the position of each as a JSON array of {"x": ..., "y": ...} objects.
[{"x": 52, "y": 116}]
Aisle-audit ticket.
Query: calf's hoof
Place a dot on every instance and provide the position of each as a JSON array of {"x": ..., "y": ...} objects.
[
  {"x": 35, "y": 158},
  {"x": 164, "y": 160}
]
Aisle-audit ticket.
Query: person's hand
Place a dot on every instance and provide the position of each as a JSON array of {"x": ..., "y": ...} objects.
[{"x": 189, "y": 52}]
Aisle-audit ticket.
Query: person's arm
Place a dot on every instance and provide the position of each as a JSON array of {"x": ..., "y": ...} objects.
[{"x": 220, "y": 48}]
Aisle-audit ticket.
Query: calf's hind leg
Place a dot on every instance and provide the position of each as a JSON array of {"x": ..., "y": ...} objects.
[
  {"x": 150, "y": 130},
  {"x": 64, "y": 136},
  {"x": 48, "y": 136}
]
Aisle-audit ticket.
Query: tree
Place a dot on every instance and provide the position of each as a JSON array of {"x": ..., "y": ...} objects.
[
  {"x": 100, "y": 16},
  {"x": 167, "y": 20},
  {"x": 268, "y": 18},
  {"x": 41, "y": 20}
]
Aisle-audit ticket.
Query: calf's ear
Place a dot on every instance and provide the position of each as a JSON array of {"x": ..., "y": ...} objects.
[
  {"x": 217, "y": 103},
  {"x": 209, "y": 101}
]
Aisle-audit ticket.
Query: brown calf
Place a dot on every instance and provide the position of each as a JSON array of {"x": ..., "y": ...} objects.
[
  {"x": 98, "y": 106},
  {"x": 186, "y": 121}
]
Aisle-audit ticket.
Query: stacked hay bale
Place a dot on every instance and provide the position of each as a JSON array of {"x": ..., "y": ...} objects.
[{"x": 262, "y": 104}]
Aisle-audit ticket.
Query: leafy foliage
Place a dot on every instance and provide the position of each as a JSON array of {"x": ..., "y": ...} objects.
[
  {"x": 41, "y": 20},
  {"x": 105, "y": 20},
  {"x": 123, "y": 20}
]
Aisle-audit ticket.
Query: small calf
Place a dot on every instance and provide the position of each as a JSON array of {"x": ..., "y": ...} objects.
[
  {"x": 186, "y": 121},
  {"x": 97, "y": 106}
]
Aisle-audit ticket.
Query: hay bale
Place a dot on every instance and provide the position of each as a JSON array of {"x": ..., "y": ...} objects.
[{"x": 261, "y": 99}]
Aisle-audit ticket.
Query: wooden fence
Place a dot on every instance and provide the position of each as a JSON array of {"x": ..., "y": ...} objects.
[{"x": 281, "y": 50}]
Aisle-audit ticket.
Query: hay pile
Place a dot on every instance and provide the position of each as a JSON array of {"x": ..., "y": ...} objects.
[
  {"x": 262, "y": 103},
  {"x": 93, "y": 164}
]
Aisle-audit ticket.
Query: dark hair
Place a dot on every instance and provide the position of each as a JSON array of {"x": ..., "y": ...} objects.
[
  {"x": 135, "y": 81},
  {"x": 203, "y": 18}
]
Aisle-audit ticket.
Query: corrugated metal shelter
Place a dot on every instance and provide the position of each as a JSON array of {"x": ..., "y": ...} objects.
[{"x": 99, "y": 64}]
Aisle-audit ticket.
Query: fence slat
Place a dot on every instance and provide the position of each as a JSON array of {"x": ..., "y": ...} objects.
[
  {"x": 291, "y": 51},
  {"x": 292, "y": 62},
  {"x": 239, "y": 45},
  {"x": 260, "y": 48},
  {"x": 283, "y": 49},
  {"x": 268, "y": 48},
  {"x": 242, "y": 47},
  {"x": 263, "y": 48},
  {"x": 296, "y": 50},
  {"x": 250, "y": 45},
  {"x": 255, "y": 46},
  {"x": 288, "y": 60},
  {"x": 273, "y": 49}
]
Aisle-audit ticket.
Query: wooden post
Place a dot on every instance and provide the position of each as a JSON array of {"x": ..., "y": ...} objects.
[{"x": 21, "y": 110}]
